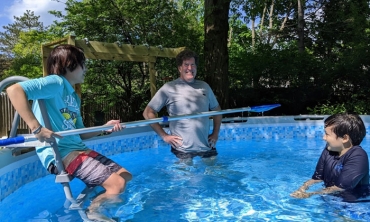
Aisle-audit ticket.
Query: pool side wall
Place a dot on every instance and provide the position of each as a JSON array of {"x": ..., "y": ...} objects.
[{"x": 15, "y": 171}]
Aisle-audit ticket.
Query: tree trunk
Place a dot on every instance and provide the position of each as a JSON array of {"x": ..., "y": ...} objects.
[
  {"x": 253, "y": 32},
  {"x": 229, "y": 40},
  {"x": 271, "y": 20},
  {"x": 262, "y": 19},
  {"x": 282, "y": 26},
  {"x": 216, "y": 27},
  {"x": 300, "y": 27}
]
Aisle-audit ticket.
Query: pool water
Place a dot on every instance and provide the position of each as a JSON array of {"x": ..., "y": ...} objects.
[{"x": 250, "y": 181}]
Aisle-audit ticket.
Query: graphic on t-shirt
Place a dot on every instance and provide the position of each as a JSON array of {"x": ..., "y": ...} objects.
[
  {"x": 339, "y": 167},
  {"x": 70, "y": 118},
  {"x": 71, "y": 102}
]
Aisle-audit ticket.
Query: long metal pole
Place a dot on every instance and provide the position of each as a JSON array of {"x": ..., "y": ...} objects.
[
  {"x": 30, "y": 137},
  {"x": 150, "y": 121}
]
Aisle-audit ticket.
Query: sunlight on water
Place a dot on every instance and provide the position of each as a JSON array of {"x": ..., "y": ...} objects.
[{"x": 250, "y": 181}]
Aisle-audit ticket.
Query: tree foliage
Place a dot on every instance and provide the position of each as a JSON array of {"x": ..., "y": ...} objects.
[
  {"x": 20, "y": 45},
  {"x": 310, "y": 56},
  {"x": 332, "y": 70},
  {"x": 160, "y": 24}
]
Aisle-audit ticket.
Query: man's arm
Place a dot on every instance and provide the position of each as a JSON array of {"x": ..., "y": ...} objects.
[
  {"x": 212, "y": 139},
  {"x": 217, "y": 121},
  {"x": 174, "y": 141},
  {"x": 149, "y": 113}
]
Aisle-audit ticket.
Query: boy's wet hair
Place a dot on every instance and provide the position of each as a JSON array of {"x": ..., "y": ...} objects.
[
  {"x": 186, "y": 54},
  {"x": 65, "y": 56},
  {"x": 350, "y": 124}
]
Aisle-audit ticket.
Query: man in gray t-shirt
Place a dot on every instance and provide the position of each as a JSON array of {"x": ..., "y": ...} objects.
[{"x": 186, "y": 95}]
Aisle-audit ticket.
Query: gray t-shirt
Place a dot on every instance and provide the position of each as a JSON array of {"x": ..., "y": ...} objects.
[{"x": 182, "y": 98}]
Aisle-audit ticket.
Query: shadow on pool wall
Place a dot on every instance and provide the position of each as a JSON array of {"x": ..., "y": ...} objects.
[{"x": 16, "y": 171}]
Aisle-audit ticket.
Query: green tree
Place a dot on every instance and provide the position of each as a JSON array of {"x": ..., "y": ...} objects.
[
  {"x": 4, "y": 65},
  {"x": 125, "y": 85},
  {"x": 342, "y": 41},
  {"x": 20, "y": 44},
  {"x": 331, "y": 69},
  {"x": 9, "y": 37},
  {"x": 27, "y": 58}
]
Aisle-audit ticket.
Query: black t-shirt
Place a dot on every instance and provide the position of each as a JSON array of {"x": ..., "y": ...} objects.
[{"x": 349, "y": 172}]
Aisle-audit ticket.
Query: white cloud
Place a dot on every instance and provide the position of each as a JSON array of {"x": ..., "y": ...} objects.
[{"x": 39, "y": 7}]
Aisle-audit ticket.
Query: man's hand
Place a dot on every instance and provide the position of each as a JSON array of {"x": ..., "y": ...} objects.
[
  {"x": 174, "y": 141},
  {"x": 212, "y": 140}
]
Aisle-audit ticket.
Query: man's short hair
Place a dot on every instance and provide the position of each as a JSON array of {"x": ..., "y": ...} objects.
[{"x": 186, "y": 54}]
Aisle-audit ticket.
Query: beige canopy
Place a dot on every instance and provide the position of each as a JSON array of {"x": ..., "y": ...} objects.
[{"x": 115, "y": 51}]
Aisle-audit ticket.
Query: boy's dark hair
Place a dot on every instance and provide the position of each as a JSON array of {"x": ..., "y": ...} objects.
[
  {"x": 350, "y": 124},
  {"x": 65, "y": 56},
  {"x": 186, "y": 54}
]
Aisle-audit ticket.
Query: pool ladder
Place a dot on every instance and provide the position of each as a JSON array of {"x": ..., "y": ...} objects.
[{"x": 62, "y": 177}]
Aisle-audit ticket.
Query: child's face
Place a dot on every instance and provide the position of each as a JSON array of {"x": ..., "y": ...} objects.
[
  {"x": 76, "y": 76},
  {"x": 334, "y": 142}
]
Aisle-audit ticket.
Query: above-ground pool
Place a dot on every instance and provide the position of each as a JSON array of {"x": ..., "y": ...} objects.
[{"x": 257, "y": 168}]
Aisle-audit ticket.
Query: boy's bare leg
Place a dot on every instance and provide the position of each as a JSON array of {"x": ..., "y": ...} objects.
[{"x": 114, "y": 186}]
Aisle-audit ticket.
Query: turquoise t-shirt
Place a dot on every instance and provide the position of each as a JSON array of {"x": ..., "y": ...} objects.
[{"x": 63, "y": 108}]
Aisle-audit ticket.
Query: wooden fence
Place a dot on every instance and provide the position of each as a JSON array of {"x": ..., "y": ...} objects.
[
  {"x": 99, "y": 113},
  {"x": 7, "y": 115}
]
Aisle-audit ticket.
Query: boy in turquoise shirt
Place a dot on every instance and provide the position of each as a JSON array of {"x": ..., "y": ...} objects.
[{"x": 66, "y": 67}]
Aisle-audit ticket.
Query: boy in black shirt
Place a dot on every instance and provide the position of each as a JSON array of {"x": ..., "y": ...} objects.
[{"x": 343, "y": 165}]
